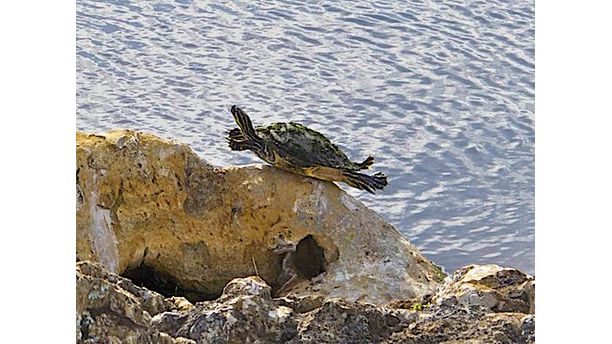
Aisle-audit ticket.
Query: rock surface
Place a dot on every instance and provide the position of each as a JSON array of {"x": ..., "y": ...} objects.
[
  {"x": 245, "y": 313},
  {"x": 112, "y": 309},
  {"x": 151, "y": 210},
  {"x": 495, "y": 288},
  {"x": 447, "y": 324}
]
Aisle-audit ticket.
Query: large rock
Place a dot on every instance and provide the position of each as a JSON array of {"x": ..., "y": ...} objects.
[
  {"x": 490, "y": 286},
  {"x": 323, "y": 268},
  {"x": 151, "y": 210}
]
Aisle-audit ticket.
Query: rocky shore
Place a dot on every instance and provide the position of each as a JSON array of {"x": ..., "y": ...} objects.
[{"x": 171, "y": 249}]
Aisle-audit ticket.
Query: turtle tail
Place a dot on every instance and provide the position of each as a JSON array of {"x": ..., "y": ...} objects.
[
  {"x": 364, "y": 165},
  {"x": 365, "y": 182}
]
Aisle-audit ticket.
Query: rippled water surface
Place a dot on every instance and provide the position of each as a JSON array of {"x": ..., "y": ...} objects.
[{"x": 441, "y": 93}]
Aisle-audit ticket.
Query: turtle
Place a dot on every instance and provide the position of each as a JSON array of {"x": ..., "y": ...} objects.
[{"x": 293, "y": 147}]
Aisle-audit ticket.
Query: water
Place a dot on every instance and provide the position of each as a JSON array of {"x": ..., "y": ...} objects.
[{"x": 442, "y": 94}]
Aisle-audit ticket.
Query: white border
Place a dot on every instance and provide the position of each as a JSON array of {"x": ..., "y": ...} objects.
[
  {"x": 573, "y": 150},
  {"x": 37, "y": 249}
]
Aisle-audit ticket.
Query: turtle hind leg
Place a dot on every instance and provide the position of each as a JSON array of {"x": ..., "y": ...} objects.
[
  {"x": 365, "y": 182},
  {"x": 364, "y": 165}
]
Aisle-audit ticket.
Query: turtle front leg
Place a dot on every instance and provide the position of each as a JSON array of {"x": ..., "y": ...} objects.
[
  {"x": 241, "y": 145},
  {"x": 235, "y": 134}
]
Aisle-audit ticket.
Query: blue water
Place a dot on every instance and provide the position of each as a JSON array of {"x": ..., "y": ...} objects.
[{"x": 441, "y": 93}]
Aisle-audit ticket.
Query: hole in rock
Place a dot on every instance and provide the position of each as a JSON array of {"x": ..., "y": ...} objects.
[
  {"x": 165, "y": 284},
  {"x": 309, "y": 257}
]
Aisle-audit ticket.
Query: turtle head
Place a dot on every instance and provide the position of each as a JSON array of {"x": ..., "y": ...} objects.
[
  {"x": 257, "y": 144},
  {"x": 235, "y": 111},
  {"x": 244, "y": 122}
]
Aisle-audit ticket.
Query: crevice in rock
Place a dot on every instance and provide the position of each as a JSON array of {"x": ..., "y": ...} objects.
[
  {"x": 300, "y": 263},
  {"x": 164, "y": 283},
  {"x": 79, "y": 191},
  {"x": 309, "y": 258}
]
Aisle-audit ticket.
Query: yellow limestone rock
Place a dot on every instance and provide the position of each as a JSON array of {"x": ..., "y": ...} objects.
[{"x": 152, "y": 208}]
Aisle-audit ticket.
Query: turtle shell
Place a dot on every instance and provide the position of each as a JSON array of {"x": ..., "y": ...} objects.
[{"x": 295, "y": 142}]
